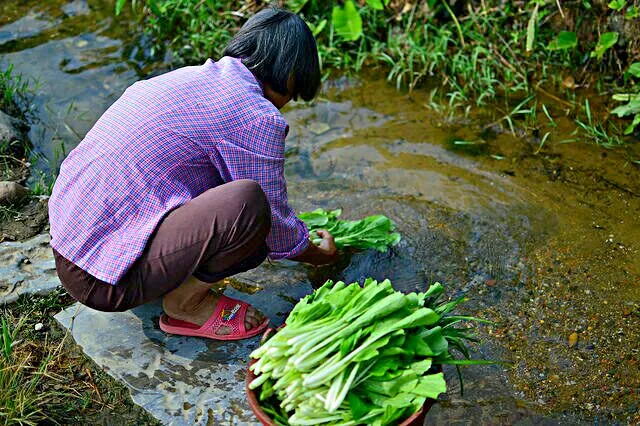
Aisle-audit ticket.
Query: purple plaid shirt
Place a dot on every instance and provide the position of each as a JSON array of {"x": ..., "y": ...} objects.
[{"x": 164, "y": 142}]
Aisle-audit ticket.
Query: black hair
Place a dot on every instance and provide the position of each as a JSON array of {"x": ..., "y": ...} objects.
[{"x": 276, "y": 44}]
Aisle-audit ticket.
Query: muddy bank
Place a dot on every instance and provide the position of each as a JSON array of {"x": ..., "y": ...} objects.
[
  {"x": 21, "y": 215},
  {"x": 24, "y": 220}
]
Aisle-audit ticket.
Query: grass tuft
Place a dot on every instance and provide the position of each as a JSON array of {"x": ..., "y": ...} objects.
[
  {"x": 22, "y": 373},
  {"x": 455, "y": 48},
  {"x": 13, "y": 92}
]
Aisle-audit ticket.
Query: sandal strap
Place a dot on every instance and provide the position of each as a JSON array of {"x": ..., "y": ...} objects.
[{"x": 229, "y": 312}]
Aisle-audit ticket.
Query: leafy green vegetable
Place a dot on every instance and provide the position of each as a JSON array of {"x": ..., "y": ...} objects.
[
  {"x": 371, "y": 232},
  {"x": 353, "y": 354}
]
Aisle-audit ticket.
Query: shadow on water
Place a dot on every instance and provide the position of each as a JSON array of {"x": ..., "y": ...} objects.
[{"x": 533, "y": 240}]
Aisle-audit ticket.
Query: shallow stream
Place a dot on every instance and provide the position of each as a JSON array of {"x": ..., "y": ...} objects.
[{"x": 544, "y": 243}]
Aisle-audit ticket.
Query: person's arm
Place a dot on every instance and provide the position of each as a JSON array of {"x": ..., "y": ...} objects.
[{"x": 256, "y": 152}]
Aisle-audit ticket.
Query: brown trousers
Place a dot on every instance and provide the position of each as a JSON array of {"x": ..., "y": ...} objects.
[{"x": 220, "y": 233}]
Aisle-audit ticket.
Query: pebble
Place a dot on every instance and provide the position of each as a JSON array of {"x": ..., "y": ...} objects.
[
  {"x": 573, "y": 339},
  {"x": 318, "y": 128},
  {"x": 38, "y": 326},
  {"x": 569, "y": 82}
]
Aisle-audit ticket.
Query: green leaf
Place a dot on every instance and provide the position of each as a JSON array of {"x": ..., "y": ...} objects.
[
  {"x": 435, "y": 289},
  {"x": 421, "y": 367},
  {"x": 266, "y": 390},
  {"x": 449, "y": 306},
  {"x": 368, "y": 354},
  {"x": 317, "y": 29},
  {"x": 155, "y": 8},
  {"x": 634, "y": 70},
  {"x": 564, "y": 40},
  {"x": 375, "y": 4},
  {"x": 633, "y": 125},
  {"x": 318, "y": 218},
  {"x": 431, "y": 386},
  {"x": 350, "y": 342},
  {"x": 626, "y": 97},
  {"x": 531, "y": 28},
  {"x": 617, "y": 4},
  {"x": 383, "y": 365},
  {"x": 347, "y": 21},
  {"x": 359, "y": 408},
  {"x": 401, "y": 400},
  {"x": 606, "y": 42},
  {"x": 632, "y": 107},
  {"x": 371, "y": 351},
  {"x": 435, "y": 341},
  {"x": 414, "y": 345},
  {"x": 296, "y": 5},
  {"x": 119, "y": 5},
  {"x": 632, "y": 13},
  {"x": 391, "y": 415}
]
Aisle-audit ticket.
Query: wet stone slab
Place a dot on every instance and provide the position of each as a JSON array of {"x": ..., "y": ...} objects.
[
  {"x": 183, "y": 380},
  {"x": 26, "y": 267}
]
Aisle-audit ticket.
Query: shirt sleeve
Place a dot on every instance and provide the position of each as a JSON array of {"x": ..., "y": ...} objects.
[{"x": 257, "y": 152}]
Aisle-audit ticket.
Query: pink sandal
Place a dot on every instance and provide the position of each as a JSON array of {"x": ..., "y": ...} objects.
[{"x": 228, "y": 312}]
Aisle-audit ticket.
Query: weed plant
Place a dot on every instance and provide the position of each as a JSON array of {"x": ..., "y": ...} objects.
[
  {"x": 13, "y": 92},
  {"x": 475, "y": 54},
  {"x": 44, "y": 379}
]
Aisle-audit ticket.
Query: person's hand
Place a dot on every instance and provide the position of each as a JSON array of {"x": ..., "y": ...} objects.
[
  {"x": 328, "y": 245},
  {"x": 322, "y": 254}
]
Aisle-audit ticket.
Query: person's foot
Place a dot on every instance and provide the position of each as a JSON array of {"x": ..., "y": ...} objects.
[{"x": 198, "y": 313}]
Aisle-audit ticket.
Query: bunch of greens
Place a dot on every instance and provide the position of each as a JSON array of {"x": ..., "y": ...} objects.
[
  {"x": 353, "y": 355},
  {"x": 371, "y": 232}
]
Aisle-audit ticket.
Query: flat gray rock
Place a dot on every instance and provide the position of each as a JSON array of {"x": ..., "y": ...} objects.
[
  {"x": 26, "y": 267},
  {"x": 182, "y": 380}
]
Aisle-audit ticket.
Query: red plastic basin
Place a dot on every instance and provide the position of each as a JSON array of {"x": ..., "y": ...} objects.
[{"x": 416, "y": 420}]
